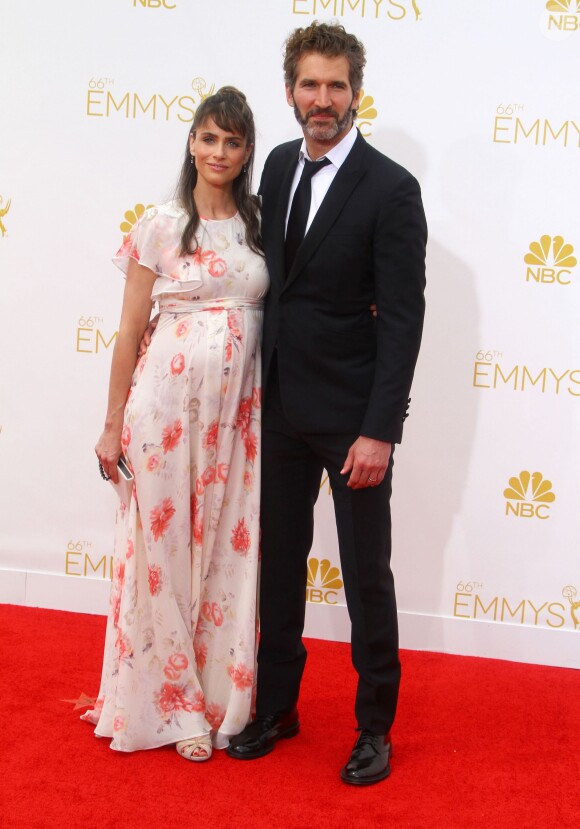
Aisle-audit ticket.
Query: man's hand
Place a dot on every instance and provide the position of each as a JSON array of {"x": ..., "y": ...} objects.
[
  {"x": 367, "y": 462},
  {"x": 146, "y": 338}
]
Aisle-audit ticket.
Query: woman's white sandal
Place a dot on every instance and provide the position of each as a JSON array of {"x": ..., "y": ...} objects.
[{"x": 196, "y": 749}]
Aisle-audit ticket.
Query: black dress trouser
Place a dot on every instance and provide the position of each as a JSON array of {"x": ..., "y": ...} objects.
[{"x": 292, "y": 468}]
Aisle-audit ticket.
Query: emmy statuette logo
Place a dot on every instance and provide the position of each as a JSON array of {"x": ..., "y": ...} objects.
[
  {"x": 529, "y": 496},
  {"x": 569, "y": 592},
  {"x": 4, "y": 208},
  {"x": 550, "y": 261}
]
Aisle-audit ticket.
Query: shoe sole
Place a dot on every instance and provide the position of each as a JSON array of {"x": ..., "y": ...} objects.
[
  {"x": 365, "y": 781},
  {"x": 291, "y": 731}
]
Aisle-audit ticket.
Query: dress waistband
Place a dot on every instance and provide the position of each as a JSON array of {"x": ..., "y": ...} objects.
[{"x": 191, "y": 306}]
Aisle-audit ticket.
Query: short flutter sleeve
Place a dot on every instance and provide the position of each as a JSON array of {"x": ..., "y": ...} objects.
[{"x": 155, "y": 242}]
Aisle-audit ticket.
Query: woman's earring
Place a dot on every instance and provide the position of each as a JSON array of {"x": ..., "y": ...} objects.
[
  {"x": 245, "y": 168},
  {"x": 192, "y": 159}
]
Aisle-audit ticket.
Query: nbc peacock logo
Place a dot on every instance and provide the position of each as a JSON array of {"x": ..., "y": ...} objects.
[
  {"x": 561, "y": 18},
  {"x": 550, "y": 261},
  {"x": 563, "y": 6},
  {"x": 4, "y": 208},
  {"x": 529, "y": 496},
  {"x": 366, "y": 113},
  {"x": 323, "y": 582},
  {"x": 131, "y": 218}
]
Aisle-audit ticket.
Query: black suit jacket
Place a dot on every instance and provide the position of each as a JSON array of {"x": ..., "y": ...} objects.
[{"x": 340, "y": 369}]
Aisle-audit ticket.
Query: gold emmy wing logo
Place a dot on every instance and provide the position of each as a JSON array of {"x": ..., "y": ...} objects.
[
  {"x": 366, "y": 113},
  {"x": 132, "y": 217},
  {"x": 532, "y": 493},
  {"x": 323, "y": 580},
  {"x": 550, "y": 261},
  {"x": 569, "y": 592},
  {"x": 3, "y": 211}
]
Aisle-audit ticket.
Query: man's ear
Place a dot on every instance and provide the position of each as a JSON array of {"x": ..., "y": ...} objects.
[{"x": 289, "y": 96}]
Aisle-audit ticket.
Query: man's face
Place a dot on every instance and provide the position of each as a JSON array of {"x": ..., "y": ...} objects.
[{"x": 322, "y": 97}]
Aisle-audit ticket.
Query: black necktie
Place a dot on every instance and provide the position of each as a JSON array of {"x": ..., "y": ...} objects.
[{"x": 300, "y": 209}]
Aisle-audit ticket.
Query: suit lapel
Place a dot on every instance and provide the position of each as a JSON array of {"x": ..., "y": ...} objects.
[
  {"x": 279, "y": 224},
  {"x": 348, "y": 176}
]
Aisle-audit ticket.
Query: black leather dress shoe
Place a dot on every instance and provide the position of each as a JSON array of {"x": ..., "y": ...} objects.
[
  {"x": 260, "y": 736},
  {"x": 369, "y": 761}
]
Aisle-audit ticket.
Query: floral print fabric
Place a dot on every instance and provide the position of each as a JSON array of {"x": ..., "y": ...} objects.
[{"x": 181, "y": 632}]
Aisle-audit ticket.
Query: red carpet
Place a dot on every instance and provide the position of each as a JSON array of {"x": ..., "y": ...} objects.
[{"x": 478, "y": 743}]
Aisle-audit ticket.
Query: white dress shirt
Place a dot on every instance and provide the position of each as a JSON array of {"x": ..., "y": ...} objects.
[{"x": 323, "y": 178}]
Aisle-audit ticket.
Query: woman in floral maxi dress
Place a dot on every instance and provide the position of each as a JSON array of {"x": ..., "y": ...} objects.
[{"x": 179, "y": 650}]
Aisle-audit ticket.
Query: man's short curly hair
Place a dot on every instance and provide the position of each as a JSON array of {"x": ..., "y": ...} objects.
[{"x": 330, "y": 40}]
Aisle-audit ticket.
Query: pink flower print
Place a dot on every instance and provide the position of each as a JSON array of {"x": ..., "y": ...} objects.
[
  {"x": 153, "y": 463},
  {"x": 155, "y": 579},
  {"x": 248, "y": 480},
  {"x": 171, "y": 436},
  {"x": 244, "y": 412},
  {"x": 160, "y": 516},
  {"x": 235, "y": 324},
  {"x": 177, "y": 364},
  {"x": 124, "y": 645},
  {"x": 173, "y": 698},
  {"x": 217, "y": 615},
  {"x": 208, "y": 475},
  {"x": 200, "y": 655},
  {"x": 229, "y": 350},
  {"x": 130, "y": 549},
  {"x": 118, "y": 723},
  {"x": 120, "y": 573},
  {"x": 176, "y": 664},
  {"x": 240, "y": 539},
  {"x": 199, "y": 487},
  {"x": 251, "y": 446},
  {"x": 198, "y": 703},
  {"x": 125, "y": 438},
  {"x": 198, "y": 531},
  {"x": 206, "y": 610},
  {"x": 257, "y": 397},
  {"x": 221, "y": 472},
  {"x": 116, "y": 606},
  {"x": 217, "y": 267},
  {"x": 241, "y": 676},
  {"x": 182, "y": 328},
  {"x": 215, "y": 715},
  {"x": 128, "y": 248},
  {"x": 211, "y": 436},
  {"x": 203, "y": 257}
]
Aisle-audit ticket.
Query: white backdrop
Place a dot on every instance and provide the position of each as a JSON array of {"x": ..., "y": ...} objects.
[{"x": 479, "y": 101}]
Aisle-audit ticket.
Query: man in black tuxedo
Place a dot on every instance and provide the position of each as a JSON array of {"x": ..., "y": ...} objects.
[{"x": 343, "y": 227}]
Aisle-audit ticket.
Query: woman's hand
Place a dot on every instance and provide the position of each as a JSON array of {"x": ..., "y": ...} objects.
[
  {"x": 108, "y": 451},
  {"x": 146, "y": 339}
]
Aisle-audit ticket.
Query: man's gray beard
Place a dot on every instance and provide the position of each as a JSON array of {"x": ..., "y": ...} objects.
[{"x": 324, "y": 133}]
